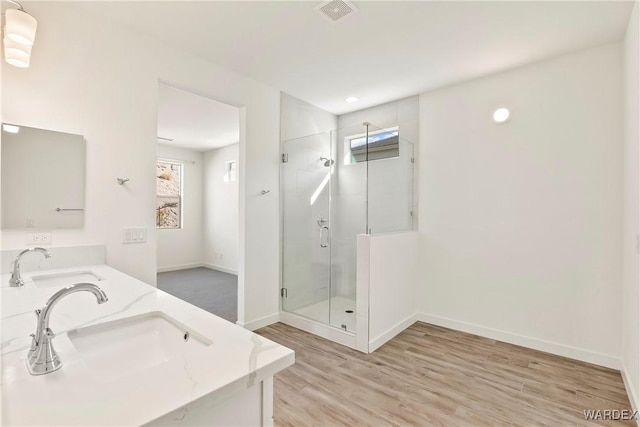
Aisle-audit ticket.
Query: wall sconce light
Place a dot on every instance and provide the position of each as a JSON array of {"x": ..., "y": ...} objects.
[
  {"x": 10, "y": 128},
  {"x": 19, "y": 35},
  {"x": 501, "y": 115}
]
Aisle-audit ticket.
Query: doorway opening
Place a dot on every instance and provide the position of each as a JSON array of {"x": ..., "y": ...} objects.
[{"x": 197, "y": 203}]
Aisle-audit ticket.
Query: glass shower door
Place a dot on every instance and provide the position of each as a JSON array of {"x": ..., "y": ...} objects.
[{"x": 306, "y": 176}]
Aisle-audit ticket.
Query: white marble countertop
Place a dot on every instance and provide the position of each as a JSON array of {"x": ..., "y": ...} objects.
[{"x": 76, "y": 395}]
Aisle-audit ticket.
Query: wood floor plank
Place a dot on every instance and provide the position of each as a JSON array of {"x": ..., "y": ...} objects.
[{"x": 433, "y": 376}]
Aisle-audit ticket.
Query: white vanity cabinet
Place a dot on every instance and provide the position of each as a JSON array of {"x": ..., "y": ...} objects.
[{"x": 129, "y": 362}]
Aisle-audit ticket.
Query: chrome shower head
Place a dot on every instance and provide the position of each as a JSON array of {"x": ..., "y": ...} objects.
[{"x": 328, "y": 162}]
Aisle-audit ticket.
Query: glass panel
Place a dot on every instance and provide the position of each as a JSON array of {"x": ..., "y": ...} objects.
[
  {"x": 306, "y": 196},
  {"x": 390, "y": 185},
  {"x": 335, "y": 186},
  {"x": 348, "y": 219}
]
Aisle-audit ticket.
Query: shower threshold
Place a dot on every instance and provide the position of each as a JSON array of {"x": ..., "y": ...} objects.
[
  {"x": 323, "y": 330},
  {"x": 341, "y": 316}
]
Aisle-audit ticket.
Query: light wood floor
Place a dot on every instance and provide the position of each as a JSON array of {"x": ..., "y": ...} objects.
[{"x": 430, "y": 375}]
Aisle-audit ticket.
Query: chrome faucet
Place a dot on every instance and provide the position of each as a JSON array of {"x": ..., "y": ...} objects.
[
  {"x": 16, "y": 279},
  {"x": 42, "y": 357}
]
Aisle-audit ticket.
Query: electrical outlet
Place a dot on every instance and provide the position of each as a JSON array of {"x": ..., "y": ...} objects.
[
  {"x": 134, "y": 235},
  {"x": 43, "y": 238}
]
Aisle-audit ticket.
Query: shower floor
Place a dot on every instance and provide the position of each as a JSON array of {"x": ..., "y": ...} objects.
[{"x": 338, "y": 316}]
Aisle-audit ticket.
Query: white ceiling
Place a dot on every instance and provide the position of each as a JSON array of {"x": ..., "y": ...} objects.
[
  {"x": 388, "y": 50},
  {"x": 195, "y": 122}
]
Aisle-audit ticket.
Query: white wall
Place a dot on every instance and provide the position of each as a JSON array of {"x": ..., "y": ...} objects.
[
  {"x": 300, "y": 119},
  {"x": 184, "y": 247},
  {"x": 90, "y": 77},
  {"x": 631, "y": 284},
  {"x": 520, "y": 223},
  {"x": 220, "y": 210}
]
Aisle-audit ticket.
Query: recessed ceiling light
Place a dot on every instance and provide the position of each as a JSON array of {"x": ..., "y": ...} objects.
[
  {"x": 10, "y": 128},
  {"x": 351, "y": 99},
  {"x": 501, "y": 115}
]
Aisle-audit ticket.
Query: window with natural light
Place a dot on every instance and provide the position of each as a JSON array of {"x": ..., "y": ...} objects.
[
  {"x": 381, "y": 144},
  {"x": 169, "y": 195}
]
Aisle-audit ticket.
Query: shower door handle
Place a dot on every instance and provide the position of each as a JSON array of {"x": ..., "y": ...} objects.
[{"x": 324, "y": 241}]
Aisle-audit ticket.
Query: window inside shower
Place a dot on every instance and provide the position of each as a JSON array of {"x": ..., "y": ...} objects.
[{"x": 376, "y": 145}]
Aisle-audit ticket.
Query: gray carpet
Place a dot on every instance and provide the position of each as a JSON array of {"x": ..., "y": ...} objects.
[{"x": 211, "y": 290}]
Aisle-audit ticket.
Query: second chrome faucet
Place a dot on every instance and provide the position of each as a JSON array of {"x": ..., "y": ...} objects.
[{"x": 16, "y": 278}]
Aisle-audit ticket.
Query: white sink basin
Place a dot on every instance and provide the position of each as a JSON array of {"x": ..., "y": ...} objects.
[
  {"x": 123, "y": 347},
  {"x": 61, "y": 280}
]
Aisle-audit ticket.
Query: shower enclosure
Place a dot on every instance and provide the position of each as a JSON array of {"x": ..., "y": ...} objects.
[{"x": 336, "y": 185}]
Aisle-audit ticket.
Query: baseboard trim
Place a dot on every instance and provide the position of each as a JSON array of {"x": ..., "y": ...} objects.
[
  {"x": 383, "y": 338},
  {"x": 628, "y": 385},
  {"x": 179, "y": 267},
  {"x": 524, "y": 341},
  {"x": 261, "y": 322},
  {"x": 320, "y": 329},
  {"x": 221, "y": 268},
  {"x": 196, "y": 265}
]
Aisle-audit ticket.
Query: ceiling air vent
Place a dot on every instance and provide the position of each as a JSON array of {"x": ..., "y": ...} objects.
[{"x": 335, "y": 10}]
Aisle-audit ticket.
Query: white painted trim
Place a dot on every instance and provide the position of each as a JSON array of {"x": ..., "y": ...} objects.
[
  {"x": 628, "y": 385},
  {"x": 179, "y": 267},
  {"x": 524, "y": 341},
  {"x": 196, "y": 265},
  {"x": 267, "y": 402},
  {"x": 261, "y": 322},
  {"x": 320, "y": 329},
  {"x": 221, "y": 268},
  {"x": 383, "y": 338}
]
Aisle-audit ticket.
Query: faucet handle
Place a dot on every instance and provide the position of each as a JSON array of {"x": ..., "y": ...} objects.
[
  {"x": 49, "y": 333},
  {"x": 34, "y": 343},
  {"x": 37, "y": 312}
]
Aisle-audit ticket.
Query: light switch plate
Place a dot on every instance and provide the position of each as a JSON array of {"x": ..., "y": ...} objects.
[{"x": 134, "y": 235}]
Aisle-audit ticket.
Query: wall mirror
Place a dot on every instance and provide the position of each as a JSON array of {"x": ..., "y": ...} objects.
[{"x": 43, "y": 178}]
